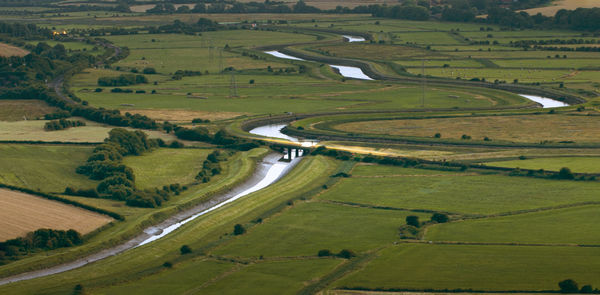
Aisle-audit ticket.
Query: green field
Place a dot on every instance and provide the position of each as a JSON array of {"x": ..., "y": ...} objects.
[
  {"x": 576, "y": 164},
  {"x": 310, "y": 227},
  {"x": 466, "y": 193},
  {"x": 166, "y": 166},
  {"x": 486, "y": 268},
  {"x": 23, "y": 109},
  {"x": 200, "y": 53},
  {"x": 93, "y": 132},
  {"x": 563, "y": 226},
  {"x": 49, "y": 168}
]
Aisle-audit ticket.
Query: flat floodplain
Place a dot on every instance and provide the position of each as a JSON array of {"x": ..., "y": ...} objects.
[
  {"x": 486, "y": 268},
  {"x": 575, "y": 225},
  {"x": 21, "y": 213},
  {"x": 576, "y": 164},
  {"x": 521, "y": 128},
  {"x": 464, "y": 193}
]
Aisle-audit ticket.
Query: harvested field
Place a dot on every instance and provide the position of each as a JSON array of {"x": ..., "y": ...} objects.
[
  {"x": 9, "y": 50},
  {"x": 185, "y": 115},
  {"x": 21, "y": 213},
  {"x": 23, "y": 109},
  {"x": 556, "y": 128},
  {"x": 563, "y": 4}
]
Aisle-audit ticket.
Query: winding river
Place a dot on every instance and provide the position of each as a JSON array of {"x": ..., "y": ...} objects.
[
  {"x": 545, "y": 102},
  {"x": 274, "y": 130},
  {"x": 268, "y": 171},
  {"x": 346, "y": 71}
]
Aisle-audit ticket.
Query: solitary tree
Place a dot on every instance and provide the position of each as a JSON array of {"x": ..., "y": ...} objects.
[
  {"x": 238, "y": 229},
  {"x": 439, "y": 217},
  {"x": 324, "y": 252},
  {"x": 568, "y": 286},
  {"x": 412, "y": 220},
  {"x": 587, "y": 289},
  {"x": 346, "y": 254},
  {"x": 565, "y": 173},
  {"x": 185, "y": 249}
]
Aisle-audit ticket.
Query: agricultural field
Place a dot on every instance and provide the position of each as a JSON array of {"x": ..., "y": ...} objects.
[
  {"x": 23, "y": 109},
  {"x": 10, "y": 50},
  {"x": 92, "y": 132},
  {"x": 49, "y": 168},
  {"x": 576, "y": 164},
  {"x": 22, "y": 213},
  {"x": 410, "y": 179},
  {"x": 548, "y": 127},
  {"x": 167, "y": 166}
]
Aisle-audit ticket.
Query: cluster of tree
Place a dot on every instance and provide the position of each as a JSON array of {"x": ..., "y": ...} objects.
[
  {"x": 179, "y": 74},
  {"x": 235, "y": 7},
  {"x": 117, "y": 180},
  {"x": 344, "y": 253},
  {"x": 570, "y": 286},
  {"x": 564, "y": 173},
  {"x": 122, "y": 80},
  {"x": 59, "y": 114},
  {"x": 179, "y": 27},
  {"x": 211, "y": 166},
  {"x": 220, "y": 138},
  {"x": 41, "y": 239},
  {"x": 62, "y": 124},
  {"x": 530, "y": 43},
  {"x": 153, "y": 198}
]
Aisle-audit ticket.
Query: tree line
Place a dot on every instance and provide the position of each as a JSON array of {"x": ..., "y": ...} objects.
[
  {"x": 41, "y": 239},
  {"x": 62, "y": 124}
]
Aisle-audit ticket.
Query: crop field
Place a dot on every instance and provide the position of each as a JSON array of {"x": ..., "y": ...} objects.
[
  {"x": 10, "y": 50},
  {"x": 34, "y": 131},
  {"x": 576, "y": 164},
  {"x": 552, "y": 128},
  {"x": 166, "y": 166},
  {"x": 49, "y": 168},
  {"x": 557, "y": 5},
  {"x": 21, "y": 213},
  {"x": 23, "y": 109}
]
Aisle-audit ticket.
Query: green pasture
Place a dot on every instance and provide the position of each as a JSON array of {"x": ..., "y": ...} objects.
[
  {"x": 547, "y": 63},
  {"x": 166, "y": 166},
  {"x": 168, "y": 53},
  {"x": 576, "y": 164},
  {"x": 184, "y": 278},
  {"x": 561, "y": 226},
  {"x": 272, "y": 277},
  {"x": 467, "y": 194},
  {"x": 485, "y": 268},
  {"x": 310, "y": 227},
  {"x": 453, "y": 63},
  {"x": 202, "y": 232},
  {"x": 235, "y": 170},
  {"x": 508, "y": 75},
  {"x": 281, "y": 93},
  {"x": 49, "y": 168},
  {"x": 468, "y": 48}
]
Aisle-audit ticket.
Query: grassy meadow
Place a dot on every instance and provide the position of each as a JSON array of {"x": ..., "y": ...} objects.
[
  {"x": 576, "y": 164},
  {"x": 545, "y": 127},
  {"x": 166, "y": 166},
  {"x": 49, "y": 168}
]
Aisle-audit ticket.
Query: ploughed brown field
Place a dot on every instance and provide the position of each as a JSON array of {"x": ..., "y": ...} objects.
[{"x": 21, "y": 213}]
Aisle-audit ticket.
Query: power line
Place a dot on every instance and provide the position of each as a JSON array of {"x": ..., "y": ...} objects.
[{"x": 232, "y": 86}]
